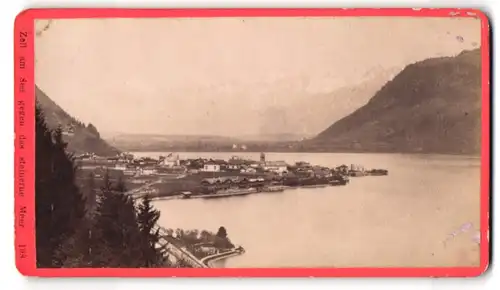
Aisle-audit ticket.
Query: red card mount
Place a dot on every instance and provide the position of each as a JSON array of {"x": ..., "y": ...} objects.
[{"x": 24, "y": 78}]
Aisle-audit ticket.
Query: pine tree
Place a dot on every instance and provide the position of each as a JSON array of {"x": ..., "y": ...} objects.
[
  {"x": 222, "y": 233},
  {"x": 116, "y": 236},
  {"x": 221, "y": 239},
  {"x": 59, "y": 205},
  {"x": 147, "y": 218}
]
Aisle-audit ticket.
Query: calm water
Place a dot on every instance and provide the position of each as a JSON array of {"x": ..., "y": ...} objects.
[{"x": 396, "y": 220}]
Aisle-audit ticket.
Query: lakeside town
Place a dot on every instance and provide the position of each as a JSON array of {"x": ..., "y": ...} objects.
[{"x": 173, "y": 177}]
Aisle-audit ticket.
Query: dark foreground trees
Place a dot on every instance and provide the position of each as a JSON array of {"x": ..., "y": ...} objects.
[
  {"x": 116, "y": 240},
  {"x": 60, "y": 207},
  {"x": 147, "y": 217},
  {"x": 115, "y": 234}
]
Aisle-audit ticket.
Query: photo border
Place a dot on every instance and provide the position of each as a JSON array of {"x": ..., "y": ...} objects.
[{"x": 24, "y": 118}]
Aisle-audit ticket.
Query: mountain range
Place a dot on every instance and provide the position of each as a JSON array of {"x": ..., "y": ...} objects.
[
  {"x": 291, "y": 121},
  {"x": 432, "y": 106}
]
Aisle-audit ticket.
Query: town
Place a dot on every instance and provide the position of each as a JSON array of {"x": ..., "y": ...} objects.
[{"x": 172, "y": 177}]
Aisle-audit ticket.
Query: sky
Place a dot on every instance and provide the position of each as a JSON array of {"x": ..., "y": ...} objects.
[{"x": 224, "y": 76}]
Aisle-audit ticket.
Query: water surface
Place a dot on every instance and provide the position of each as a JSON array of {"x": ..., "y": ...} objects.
[{"x": 388, "y": 221}]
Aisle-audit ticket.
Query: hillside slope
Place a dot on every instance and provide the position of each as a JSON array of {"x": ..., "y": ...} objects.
[
  {"x": 82, "y": 138},
  {"x": 432, "y": 106},
  {"x": 315, "y": 113}
]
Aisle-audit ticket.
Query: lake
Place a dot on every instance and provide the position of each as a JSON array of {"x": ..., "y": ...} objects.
[{"x": 399, "y": 220}]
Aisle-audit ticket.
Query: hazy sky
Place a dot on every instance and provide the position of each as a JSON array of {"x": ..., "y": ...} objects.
[{"x": 219, "y": 76}]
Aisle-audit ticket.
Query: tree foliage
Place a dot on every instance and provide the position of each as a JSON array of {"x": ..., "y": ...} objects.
[
  {"x": 221, "y": 239},
  {"x": 148, "y": 217},
  {"x": 112, "y": 232},
  {"x": 116, "y": 234},
  {"x": 222, "y": 233},
  {"x": 60, "y": 207}
]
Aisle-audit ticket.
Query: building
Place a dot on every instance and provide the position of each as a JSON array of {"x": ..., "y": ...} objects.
[
  {"x": 321, "y": 172},
  {"x": 235, "y": 163},
  {"x": 208, "y": 249},
  {"x": 211, "y": 167},
  {"x": 148, "y": 170},
  {"x": 262, "y": 157},
  {"x": 146, "y": 161},
  {"x": 276, "y": 166},
  {"x": 357, "y": 168},
  {"x": 193, "y": 163},
  {"x": 170, "y": 161}
]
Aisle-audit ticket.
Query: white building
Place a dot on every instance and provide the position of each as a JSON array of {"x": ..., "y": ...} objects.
[
  {"x": 170, "y": 161},
  {"x": 276, "y": 166},
  {"x": 356, "y": 167},
  {"x": 211, "y": 167}
]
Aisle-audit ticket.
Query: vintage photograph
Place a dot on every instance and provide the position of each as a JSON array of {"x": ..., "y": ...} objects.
[{"x": 258, "y": 142}]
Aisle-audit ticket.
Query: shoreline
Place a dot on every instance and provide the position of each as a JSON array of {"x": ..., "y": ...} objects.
[
  {"x": 223, "y": 195},
  {"x": 307, "y": 151},
  {"x": 471, "y": 155},
  {"x": 210, "y": 262}
]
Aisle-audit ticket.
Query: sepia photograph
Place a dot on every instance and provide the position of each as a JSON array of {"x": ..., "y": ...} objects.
[{"x": 258, "y": 142}]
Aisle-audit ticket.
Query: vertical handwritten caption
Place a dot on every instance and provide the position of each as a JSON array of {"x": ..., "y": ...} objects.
[{"x": 21, "y": 138}]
